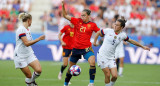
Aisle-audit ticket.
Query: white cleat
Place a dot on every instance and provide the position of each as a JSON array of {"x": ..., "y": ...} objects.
[
  {"x": 60, "y": 76},
  {"x": 91, "y": 84},
  {"x": 70, "y": 83},
  {"x": 120, "y": 75},
  {"x": 66, "y": 85}
]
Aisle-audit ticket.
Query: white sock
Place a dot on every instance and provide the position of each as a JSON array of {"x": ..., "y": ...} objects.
[
  {"x": 107, "y": 84},
  {"x": 112, "y": 83},
  {"x": 28, "y": 81},
  {"x": 34, "y": 76},
  {"x": 120, "y": 70}
]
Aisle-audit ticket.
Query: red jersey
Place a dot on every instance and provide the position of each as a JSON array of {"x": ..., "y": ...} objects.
[
  {"x": 68, "y": 37},
  {"x": 83, "y": 33}
]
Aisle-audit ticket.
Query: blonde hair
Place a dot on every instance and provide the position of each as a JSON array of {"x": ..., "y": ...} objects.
[{"x": 24, "y": 17}]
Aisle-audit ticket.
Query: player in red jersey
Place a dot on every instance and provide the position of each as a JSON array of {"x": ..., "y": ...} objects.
[
  {"x": 82, "y": 46},
  {"x": 67, "y": 43}
]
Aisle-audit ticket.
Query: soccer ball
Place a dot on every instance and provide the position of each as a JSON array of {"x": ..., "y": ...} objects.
[{"x": 75, "y": 70}]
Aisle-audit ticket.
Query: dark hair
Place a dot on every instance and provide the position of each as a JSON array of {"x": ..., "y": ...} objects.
[
  {"x": 87, "y": 11},
  {"x": 24, "y": 17},
  {"x": 122, "y": 21},
  {"x": 116, "y": 17}
]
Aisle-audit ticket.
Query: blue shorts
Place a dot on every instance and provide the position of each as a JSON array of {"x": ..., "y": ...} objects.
[
  {"x": 66, "y": 52},
  {"x": 76, "y": 54}
]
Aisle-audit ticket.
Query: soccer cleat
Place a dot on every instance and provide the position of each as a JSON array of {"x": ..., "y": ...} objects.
[
  {"x": 66, "y": 85},
  {"x": 34, "y": 83},
  {"x": 91, "y": 84},
  {"x": 60, "y": 76},
  {"x": 69, "y": 82},
  {"x": 120, "y": 75}
]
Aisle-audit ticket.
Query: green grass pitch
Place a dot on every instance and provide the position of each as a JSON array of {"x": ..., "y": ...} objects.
[{"x": 134, "y": 75}]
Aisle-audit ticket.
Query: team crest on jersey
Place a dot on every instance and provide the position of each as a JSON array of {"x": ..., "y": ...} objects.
[
  {"x": 89, "y": 25},
  {"x": 80, "y": 23},
  {"x": 69, "y": 29},
  {"x": 115, "y": 37}
]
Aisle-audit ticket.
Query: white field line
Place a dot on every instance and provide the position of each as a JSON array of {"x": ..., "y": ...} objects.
[{"x": 45, "y": 79}]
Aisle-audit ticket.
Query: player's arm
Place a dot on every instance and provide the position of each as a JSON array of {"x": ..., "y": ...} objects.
[
  {"x": 138, "y": 44},
  {"x": 96, "y": 37},
  {"x": 29, "y": 43},
  {"x": 65, "y": 15},
  {"x": 62, "y": 42}
]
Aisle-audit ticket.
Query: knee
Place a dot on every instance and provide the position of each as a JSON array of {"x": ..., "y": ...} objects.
[
  {"x": 91, "y": 61},
  {"x": 39, "y": 71},
  {"x": 114, "y": 76},
  {"x": 65, "y": 64}
]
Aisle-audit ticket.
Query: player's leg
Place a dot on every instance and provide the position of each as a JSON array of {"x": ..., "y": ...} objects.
[
  {"x": 73, "y": 60},
  {"x": 28, "y": 75},
  {"x": 92, "y": 71},
  {"x": 22, "y": 64},
  {"x": 117, "y": 62},
  {"x": 34, "y": 63},
  {"x": 63, "y": 67},
  {"x": 121, "y": 66},
  {"x": 106, "y": 72},
  {"x": 37, "y": 70},
  {"x": 113, "y": 70},
  {"x": 66, "y": 55}
]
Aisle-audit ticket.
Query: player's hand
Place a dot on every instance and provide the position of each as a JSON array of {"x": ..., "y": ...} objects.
[
  {"x": 95, "y": 44},
  {"x": 42, "y": 37},
  {"x": 146, "y": 48},
  {"x": 63, "y": 44}
]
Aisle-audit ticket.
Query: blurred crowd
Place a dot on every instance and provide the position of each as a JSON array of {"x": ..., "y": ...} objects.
[
  {"x": 9, "y": 10},
  {"x": 143, "y": 16}
]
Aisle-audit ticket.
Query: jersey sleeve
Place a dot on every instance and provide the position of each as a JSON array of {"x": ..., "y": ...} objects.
[
  {"x": 63, "y": 29},
  {"x": 104, "y": 31},
  {"x": 125, "y": 37},
  {"x": 74, "y": 21},
  {"x": 21, "y": 33},
  {"x": 95, "y": 28}
]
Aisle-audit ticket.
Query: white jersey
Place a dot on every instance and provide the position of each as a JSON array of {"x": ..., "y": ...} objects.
[
  {"x": 21, "y": 50},
  {"x": 119, "y": 50},
  {"x": 111, "y": 40}
]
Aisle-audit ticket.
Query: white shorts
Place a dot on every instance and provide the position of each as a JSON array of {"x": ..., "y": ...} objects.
[
  {"x": 119, "y": 52},
  {"x": 23, "y": 62},
  {"x": 104, "y": 62}
]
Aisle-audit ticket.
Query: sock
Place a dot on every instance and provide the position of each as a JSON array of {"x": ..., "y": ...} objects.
[
  {"x": 120, "y": 70},
  {"x": 28, "y": 81},
  {"x": 112, "y": 83},
  {"x": 68, "y": 77},
  {"x": 92, "y": 72},
  {"x": 107, "y": 84},
  {"x": 62, "y": 68},
  {"x": 34, "y": 76}
]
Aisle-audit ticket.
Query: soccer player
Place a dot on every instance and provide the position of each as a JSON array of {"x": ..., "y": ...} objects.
[
  {"x": 24, "y": 55},
  {"x": 67, "y": 43},
  {"x": 106, "y": 53},
  {"x": 82, "y": 46}
]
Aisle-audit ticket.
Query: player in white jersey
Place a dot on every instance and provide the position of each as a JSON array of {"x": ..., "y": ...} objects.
[
  {"x": 106, "y": 53},
  {"x": 24, "y": 55}
]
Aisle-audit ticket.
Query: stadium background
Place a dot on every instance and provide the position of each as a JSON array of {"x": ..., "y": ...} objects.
[{"x": 143, "y": 25}]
